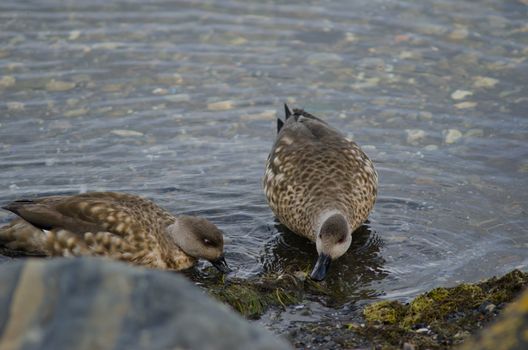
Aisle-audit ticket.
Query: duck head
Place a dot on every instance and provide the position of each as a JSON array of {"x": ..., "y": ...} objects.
[
  {"x": 332, "y": 241},
  {"x": 199, "y": 238}
]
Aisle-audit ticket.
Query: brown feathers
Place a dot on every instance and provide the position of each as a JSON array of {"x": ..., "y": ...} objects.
[
  {"x": 118, "y": 225},
  {"x": 312, "y": 169}
]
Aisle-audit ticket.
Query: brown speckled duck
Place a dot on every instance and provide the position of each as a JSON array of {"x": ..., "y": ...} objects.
[
  {"x": 319, "y": 184},
  {"x": 117, "y": 225}
]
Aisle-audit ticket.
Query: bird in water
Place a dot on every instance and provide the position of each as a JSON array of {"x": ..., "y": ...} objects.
[
  {"x": 117, "y": 225},
  {"x": 319, "y": 184}
]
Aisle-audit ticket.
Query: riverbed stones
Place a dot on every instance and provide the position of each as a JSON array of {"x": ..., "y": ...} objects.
[{"x": 88, "y": 303}]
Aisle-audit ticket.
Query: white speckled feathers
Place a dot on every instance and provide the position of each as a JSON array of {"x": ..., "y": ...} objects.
[{"x": 313, "y": 169}]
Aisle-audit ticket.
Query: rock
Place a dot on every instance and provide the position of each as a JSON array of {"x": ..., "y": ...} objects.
[
  {"x": 465, "y": 105},
  {"x": 270, "y": 114},
  {"x": 15, "y": 106},
  {"x": 89, "y": 303},
  {"x": 415, "y": 135},
  {"x": 484, "y": 82},
  {"x": 487, "y": 307},
  {"x": 452, "y": 136},
  {"x": 408, "y": 346},
  {"x": 460, "y": 94},
  {"x": 75, "y": 112},
  {"x": 431, "y": 148},
  {"x": 220, "y": 106},
  {"x": 7, "y": 81},
  {"x": 74, "y": 35},
  {"x": 57, "y": 85},
  {"x": 126, "y": 133},
  {"x": 459, "y": 34}
]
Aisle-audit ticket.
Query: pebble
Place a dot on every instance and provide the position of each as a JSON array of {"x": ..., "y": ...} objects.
[
  {"x": 474, "y": 133},
  {"x": 178, "y": 98},
  {"x": 408, "y": 346},
  {"x": 112, "y": 88},
  {"x": 461, "y": 94},
  {"x": 265, "y": 115},
  {"x": 484, "y": 82},
  {"x": 7, "y": 81},
  {"x": 487, "y": 307},
  {"x": 465, "y": 105},
  {"x": 58, "y": 85},
  {"x": 15, "y": 106},
  {"x": 452, "y": 136},
  {"x": 423, "y": 331},
  {"x": 160, "y": 91},
  {"x": 126, "y": 133},
  {"x": 74, "y": 35},
  {"x": 415, "y": 135},
  {"x": 300, "y": 275},
  {"x": 220, "y": 105},
  {"x": 431, "y": 147},
  {"x": 238, "y": 41},
  {"x": 75, "y": 112},
  {"x": 459, "y": 34},
  {"x": 424, "y": 115},
  {"x": 317, "y": 58}
]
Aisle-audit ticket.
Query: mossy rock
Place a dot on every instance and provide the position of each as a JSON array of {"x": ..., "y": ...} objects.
[
  {"x": 510, "y": 332},
  {"x": 444, "y": 316}
]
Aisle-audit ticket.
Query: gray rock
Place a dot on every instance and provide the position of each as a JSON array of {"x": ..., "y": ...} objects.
[{"x": 89, "y": 303}]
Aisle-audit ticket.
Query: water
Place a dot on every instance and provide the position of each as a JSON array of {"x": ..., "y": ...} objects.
[{"x": 177, "y": 101}]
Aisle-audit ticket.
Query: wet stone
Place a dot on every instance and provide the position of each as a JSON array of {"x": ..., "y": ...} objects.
[
  {"x": 220, "y": 105},
  {"x": 415, "y": 135},
  {"x": 484, "y": 82},
  {"x": 461, "y": 94},
  {"x": 126, "y": 133},
  {"x": 452, "y": 136},
  {"x": 7, "y": 81},
  {"x": 15, "y": 106},
  {"x": 128, "y": 307},
  {"x": 465, "y": 105},
  {"x": 58, "y": 85}
]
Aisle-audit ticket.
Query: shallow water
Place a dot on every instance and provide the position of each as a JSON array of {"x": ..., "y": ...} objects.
[{"x": 177, "y": 102}]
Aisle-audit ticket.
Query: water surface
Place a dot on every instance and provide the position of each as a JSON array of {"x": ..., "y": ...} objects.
[{"x": 177, "y": 101}]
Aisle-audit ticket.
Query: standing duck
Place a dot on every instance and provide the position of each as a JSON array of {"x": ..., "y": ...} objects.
[
  {"x": 117, "y": 225},
  {"x": 319, "y": 184}
]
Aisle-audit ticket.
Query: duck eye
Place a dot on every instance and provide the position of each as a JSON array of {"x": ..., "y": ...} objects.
[
  {"x": 341, "y": 241},
  {"x": 207, "y": 241}
]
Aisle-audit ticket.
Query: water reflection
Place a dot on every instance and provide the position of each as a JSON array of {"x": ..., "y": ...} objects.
[{"x": 350, "y": 277}]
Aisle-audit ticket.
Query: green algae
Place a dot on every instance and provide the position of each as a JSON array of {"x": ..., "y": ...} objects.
[
  {"x": 252, "y": 297},
  {"x": 445, "y": 316}
]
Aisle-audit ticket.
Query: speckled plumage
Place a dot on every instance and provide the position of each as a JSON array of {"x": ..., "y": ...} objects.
[
  {"x": 117, "y": 225},
  {"x": 313, "y": 171}
]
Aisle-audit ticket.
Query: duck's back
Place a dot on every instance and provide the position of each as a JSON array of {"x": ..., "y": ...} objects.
[
  {"x": 312, "y": 168},
  {"x": 119, "y": 225}
]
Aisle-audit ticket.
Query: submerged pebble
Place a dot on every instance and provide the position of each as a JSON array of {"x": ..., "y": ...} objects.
[
  {"x": 58, "y": 85},
  {"x": 452, "y": 136},
  {"x": 7, "y": 81},
  {"x": 415, "y": 135},
  {"x": 15, "y": 106},
  {"x": 220, "y": 105},
  {"x": 484, "y": 82},
  {"x": 126, "y": 133},
  {"x": 461, "y": 94},
  {"x": 465, "y": 105}
]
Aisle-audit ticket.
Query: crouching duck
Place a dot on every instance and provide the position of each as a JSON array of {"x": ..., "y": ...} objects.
[{"x": 116, "y": 225}]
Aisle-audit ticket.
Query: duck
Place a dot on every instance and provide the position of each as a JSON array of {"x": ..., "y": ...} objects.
[
  {"x": 319, "y": 184},
  {"x": 115, "y": 225}
]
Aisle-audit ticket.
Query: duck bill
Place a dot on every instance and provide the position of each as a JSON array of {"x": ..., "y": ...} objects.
[
  {"x": 221, "y": 264},
  {"x": 321, "y": 267}
]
